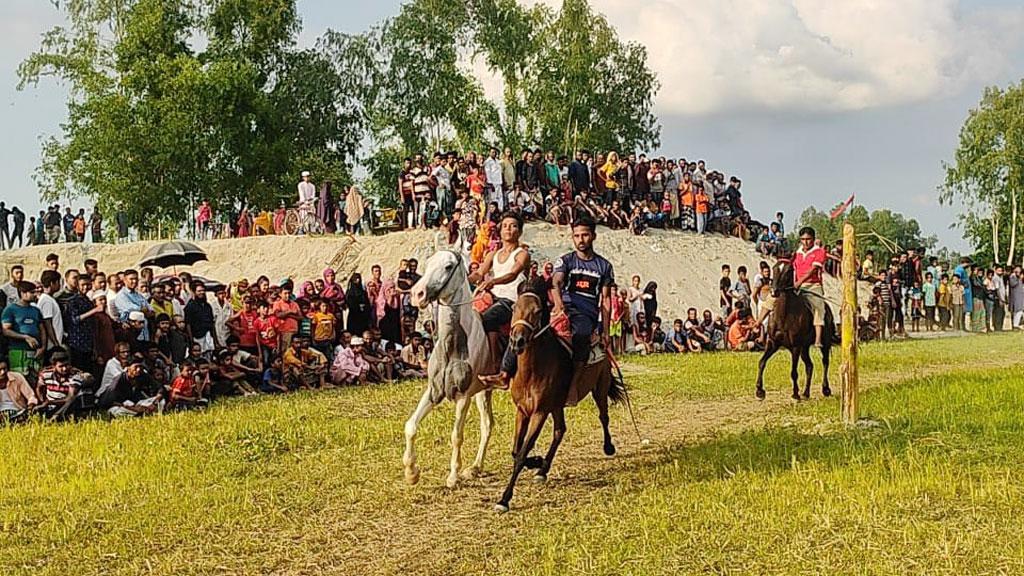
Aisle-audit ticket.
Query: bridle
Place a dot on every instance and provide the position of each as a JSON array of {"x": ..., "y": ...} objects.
[
  {"x": 448, "y": 279},
  {"x": 529, "y": 325}
]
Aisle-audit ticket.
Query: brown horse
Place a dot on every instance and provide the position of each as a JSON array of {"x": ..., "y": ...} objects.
[
  {"x": 791, "y": 326},
  {"x": 542, "y": 386}
]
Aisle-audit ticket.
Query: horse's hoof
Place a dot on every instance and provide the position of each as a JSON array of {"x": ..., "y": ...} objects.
[
  {"x": 412, "y": 476},
  {"x": 452, "y": 481},
  {"x": 470, "y": 473},
  {"x": 534, "y": 463},
  {"x": 609, "y": 449},
  {"x": 807, "y": 395},
  {"x": 501, "y": 508},
  {"x": 826, "y": 392},
  {"x": 796, "y": 397},
  {"x": 760, "y": 394},
  {"x": 540, "y": 479}
]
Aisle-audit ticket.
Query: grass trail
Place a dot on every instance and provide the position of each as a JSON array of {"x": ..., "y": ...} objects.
[{"x": 312, "y": 483}]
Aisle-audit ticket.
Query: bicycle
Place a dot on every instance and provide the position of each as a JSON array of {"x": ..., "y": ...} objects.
[{"x": 302, "y": 219}]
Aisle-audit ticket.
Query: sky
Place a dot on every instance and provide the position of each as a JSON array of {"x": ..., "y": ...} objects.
[{"x": 807, "y": 101}]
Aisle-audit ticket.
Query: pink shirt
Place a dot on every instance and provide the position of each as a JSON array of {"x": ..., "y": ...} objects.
[
  {"x": 812, "y": 261},
  {"x": 347, "y": 364}
]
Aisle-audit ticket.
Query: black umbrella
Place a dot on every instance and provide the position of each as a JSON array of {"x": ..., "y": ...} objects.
[{"x": 173, "y": 253}]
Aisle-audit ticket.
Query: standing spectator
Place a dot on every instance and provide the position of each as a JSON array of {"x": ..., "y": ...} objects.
[
  {"x": 200, "y": 319},
  {"x": 204, "y": 220},
  {"x": 11, "y": 287},
  {"x": 957, "y": 294},
  {"x": 19, "y": 226},
  {"x": 579, "y": 172},
  {"x": 53, "y": 322},
  {"x": 23, "y": 329},
  {"x": 929, "y": 292},
  {"x": 122, "y": 225},
  {"x": 81, "y": 324},
  {"x": 79, "y": 226},
  {"x": 494, "y": 173},
  {"x": 725, "y": 291},
  {"x": 6, "y": 241},
  {"x": 69, "y": 225},
  {"x": 52, "y": 220},
  {"x": 96, "y": 225},
  {"x": 944, "y": 302},
  {"x": 979, "y": 308},
  {"x": 287, "y": 311},
  {"x": 421, "y": 190},
  {"x": 999, "y": 299},
  {"x": 741, "y": 291},
  {"x": 1015, "y": 297},
  {"x": 650, "y": 301},
  {"x": 129, "y": 300}
]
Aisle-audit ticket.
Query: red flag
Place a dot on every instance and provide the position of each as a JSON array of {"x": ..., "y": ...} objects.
[{"x": 841, "y": 208}]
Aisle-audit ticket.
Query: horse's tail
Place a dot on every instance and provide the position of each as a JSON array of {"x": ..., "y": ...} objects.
[{"x": 618, "y": 393}]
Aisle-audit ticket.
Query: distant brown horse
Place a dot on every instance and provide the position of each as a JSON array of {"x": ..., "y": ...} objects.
[
  {"x": 542, "y": 386},
  {"x": 791, "y": 326}
]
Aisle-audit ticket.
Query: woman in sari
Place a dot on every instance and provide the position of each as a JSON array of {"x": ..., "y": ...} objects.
[
  {"x": 358, "y": 305},
  {"x": 354, "y": 210},
  {"x": 687, "y": 204},
  {"x": 389, "y": 312},
  {"x": 244, "y": 223}
]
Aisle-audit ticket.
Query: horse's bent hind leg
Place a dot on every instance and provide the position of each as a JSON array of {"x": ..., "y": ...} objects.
[
  {"x": 794, "y": 374},
  {"x": 483, "y": 405},
  {"x": 461, "y": 408},
  {"x": 533, "y": 431},
  {"x": 809, "y": 367},
  {"x": 768, "y": 353},
  {"x": 412, "y": 471},
  {"x": 558, "y": 421}
]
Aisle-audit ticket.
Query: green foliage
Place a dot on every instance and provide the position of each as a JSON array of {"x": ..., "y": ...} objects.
[
  {"x": 883, "y": 231},
  {"x": 987, "y": 174},
  {"x": 154, "y": 124}
]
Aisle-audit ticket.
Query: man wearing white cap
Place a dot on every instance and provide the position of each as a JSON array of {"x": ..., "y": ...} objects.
[
  {"x": 307, "y": 191},
  {"x": 349, "y": 365}
]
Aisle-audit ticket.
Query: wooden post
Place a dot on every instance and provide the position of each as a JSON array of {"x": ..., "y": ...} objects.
[{"x": 849, "y": 314}]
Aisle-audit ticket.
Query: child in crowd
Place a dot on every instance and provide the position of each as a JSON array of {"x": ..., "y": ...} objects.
[{"x": 916, "y": 306}]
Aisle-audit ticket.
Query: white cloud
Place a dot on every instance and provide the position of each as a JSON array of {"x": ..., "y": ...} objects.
[{"x": 812, "y": 55}]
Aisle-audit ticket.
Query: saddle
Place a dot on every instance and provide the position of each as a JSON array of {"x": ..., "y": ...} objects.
[{"x": 563, "y": 329}]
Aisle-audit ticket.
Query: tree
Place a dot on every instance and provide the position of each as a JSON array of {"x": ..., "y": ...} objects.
[
  {"x": 155, "y": 124},
  {"x": 883, "y": 232},
  {"x": 987, "y": 173}
]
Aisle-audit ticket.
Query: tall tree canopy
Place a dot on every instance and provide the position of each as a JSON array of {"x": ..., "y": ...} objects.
[
  {"x": 987, "y": 174},
  {"x": 156, "y": 123},
  {"x": 173, "y": 101}
]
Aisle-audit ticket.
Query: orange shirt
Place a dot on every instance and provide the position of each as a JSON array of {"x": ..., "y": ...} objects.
[{"x": 703, "y": 204}]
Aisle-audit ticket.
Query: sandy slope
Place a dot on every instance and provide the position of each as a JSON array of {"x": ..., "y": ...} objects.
[{"x": 685, "y": 266}]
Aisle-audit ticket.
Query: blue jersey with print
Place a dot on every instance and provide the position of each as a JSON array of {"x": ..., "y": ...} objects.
[
  {"x": 25, "y": 320},
  {"x": 583, "y": 282}
]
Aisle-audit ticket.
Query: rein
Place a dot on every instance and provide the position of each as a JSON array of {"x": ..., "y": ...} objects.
[{"x": 451, "y": 275}]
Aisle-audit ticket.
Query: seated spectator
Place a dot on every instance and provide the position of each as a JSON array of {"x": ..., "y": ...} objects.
[
  {"x": 413, "y": 357},
  {"x": 675, "y": 339},
  {"x": 657, "y": 335},
  {"x": 226, "y": 379},
  {"x": 135, "y": 393},
  {"x": 16, "y": 395},
  {"x": 303, "y": 366},
  {"x": 744, "y": 331},
  {"x": 642, "y": 335},
  {"x": 714, "y": 328},
  {"x": 350, "y": 367},
  {"x": 186, "y": 391},
  {"x": 273, "y": 378},
  {"x": 698, "y": 339},
  {"x": 60, "y": 385}
]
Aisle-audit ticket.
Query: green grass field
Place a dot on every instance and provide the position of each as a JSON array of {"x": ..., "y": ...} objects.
[{"x": 312, "y": 483}]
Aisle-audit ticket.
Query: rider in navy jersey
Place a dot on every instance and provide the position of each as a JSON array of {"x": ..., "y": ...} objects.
[{"x": 581, "y": 288}]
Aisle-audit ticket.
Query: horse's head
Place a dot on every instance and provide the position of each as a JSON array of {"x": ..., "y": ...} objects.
[
  {"x": 443, "y": 276},
  {"x": 783, "y": 280},
  {"x": 530, "y": 314}
]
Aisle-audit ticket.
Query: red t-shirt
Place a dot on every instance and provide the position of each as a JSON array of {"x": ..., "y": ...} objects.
[
  {"x": 268, "y": 330},
  {"x": 289, "y": 325},
  {"x": 249, "y": 333},
  {"x": 812, "y": 261},
  {"x": 184, "y": 386}
]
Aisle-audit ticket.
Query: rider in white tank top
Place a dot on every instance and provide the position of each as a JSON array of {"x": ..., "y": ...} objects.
[{"x": 508, "y": 291}]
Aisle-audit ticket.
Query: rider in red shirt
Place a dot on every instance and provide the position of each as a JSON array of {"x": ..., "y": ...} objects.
[{"x": 808, "y": 264}]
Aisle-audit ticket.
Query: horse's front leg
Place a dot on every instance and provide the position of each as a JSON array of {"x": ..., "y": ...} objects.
[
  {"x": 558, "y": 420},
  {"x": 809, "y": 368},
  {"x": 768, "y": 353},
  {"x": 461, "y": 408},
  {"x": 412, "y": 471},
  {"x": 486, "y": 410},
  {"x": 533, "y": 431},
  {"x": 794, "y": 373}
]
